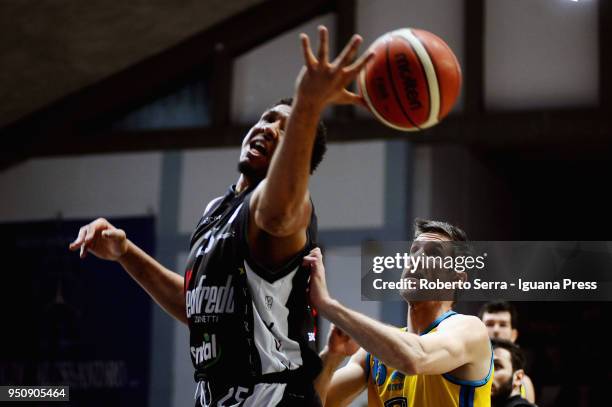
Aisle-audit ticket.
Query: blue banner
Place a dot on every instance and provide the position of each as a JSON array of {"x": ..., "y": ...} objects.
[{"x": 79, "y": 323}]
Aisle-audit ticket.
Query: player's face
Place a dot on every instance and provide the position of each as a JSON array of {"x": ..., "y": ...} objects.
[
  {"x": 502, "y": 379},
  {"x": 261, "y": 141},
  {"x": 499, "y": 325},
  {"x": 429, "y": 244}
]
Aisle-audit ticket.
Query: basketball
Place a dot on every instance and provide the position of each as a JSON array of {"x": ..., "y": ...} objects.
[{"x": 413, "y": 80}]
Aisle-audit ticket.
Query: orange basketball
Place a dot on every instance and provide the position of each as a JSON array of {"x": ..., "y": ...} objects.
[{"x": 413, "y": 80}]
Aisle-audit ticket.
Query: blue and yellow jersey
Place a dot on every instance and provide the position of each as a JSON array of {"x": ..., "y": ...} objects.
[{"x": 388, "y": 387}]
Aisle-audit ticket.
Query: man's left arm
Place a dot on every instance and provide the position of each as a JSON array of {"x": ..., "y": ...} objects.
[
  {"x": 459, "y": 343},
  {"x": 281, "y": 204}
]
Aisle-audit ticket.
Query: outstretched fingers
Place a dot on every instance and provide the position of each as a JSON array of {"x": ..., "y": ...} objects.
[
  {"x": 323, "y": 45},
  {"x": 348, "y": 53},
  {"x": 360, "y": 63},
  {"x": 309, "y": 58}
]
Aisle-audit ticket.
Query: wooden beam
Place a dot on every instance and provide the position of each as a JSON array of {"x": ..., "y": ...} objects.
[
  {"x": 577, "y": 133},
  {"x": 473, "y": 44}
]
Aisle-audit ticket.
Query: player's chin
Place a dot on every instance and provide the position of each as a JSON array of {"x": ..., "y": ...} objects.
[{"x": 253, "y": 167}]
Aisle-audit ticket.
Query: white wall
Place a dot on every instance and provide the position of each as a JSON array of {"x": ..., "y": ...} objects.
[
  {"x": 81, "y": 187},
  {"x": 347, "y": 188},
  {"x": 267, "y": 73},
  {"x": 442, "y": 17},
  {"x": 206, "y": 175},
  {"x": 541, "y": 54}
]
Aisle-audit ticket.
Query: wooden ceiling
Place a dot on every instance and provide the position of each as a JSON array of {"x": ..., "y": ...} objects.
[{"x": 52, "y": 48}]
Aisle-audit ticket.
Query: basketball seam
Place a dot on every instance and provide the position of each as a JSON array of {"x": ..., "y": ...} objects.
[
  {"x": 424, "y": 76},
  {"x": 436, "y": 71},
  {"x": 362, "y": 78},
  {"x": 432, "y": 80},
  {"x": 397, "y": 98}
]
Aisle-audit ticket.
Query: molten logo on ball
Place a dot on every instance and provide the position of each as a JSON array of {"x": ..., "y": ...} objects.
[
  {"x": 413, "y": 80},
  {"x": 410, "y": 83}
]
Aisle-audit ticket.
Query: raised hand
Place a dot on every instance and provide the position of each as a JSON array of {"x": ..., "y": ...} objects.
[
  {"x": 102, "y": 239},
  {"x": 322, "y": 82}
]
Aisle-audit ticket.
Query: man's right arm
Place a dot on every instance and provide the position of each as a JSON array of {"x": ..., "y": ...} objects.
[{"x": 109, "y": 243}]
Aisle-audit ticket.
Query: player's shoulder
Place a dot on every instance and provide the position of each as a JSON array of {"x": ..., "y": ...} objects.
[
  {"x": 211, "y": 204},
  {"x": 465, "y": 322}
]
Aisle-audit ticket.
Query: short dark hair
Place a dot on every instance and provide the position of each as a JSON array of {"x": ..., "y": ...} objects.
[
  {"x": 516, "y": 354},
  {"x": 494, "y": 307},
  {"x": 320, "y": 144},
  {"x": 435, "y": 226},
  {"x": 453, "y": 232}
]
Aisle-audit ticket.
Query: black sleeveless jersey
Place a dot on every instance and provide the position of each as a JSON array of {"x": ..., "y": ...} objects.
[{"x": 249, "y": 327}]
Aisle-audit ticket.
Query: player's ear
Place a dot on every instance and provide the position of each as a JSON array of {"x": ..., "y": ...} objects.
[
  {"x": 514, "y": 335},
  {"x": 517, "y": 379}
]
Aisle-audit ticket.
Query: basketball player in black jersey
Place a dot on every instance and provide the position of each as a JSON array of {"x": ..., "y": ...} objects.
[{"x": 244, "y": 291}]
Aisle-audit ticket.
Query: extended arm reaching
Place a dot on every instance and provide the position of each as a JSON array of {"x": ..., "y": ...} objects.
[
  {"x": 109, "y": 243},
  {"x": 462, "y": 341},
  {"x": 281, "y": 204}
]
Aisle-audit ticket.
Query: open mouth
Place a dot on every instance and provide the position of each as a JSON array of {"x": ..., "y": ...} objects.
[{"x": 258, "y": 148}]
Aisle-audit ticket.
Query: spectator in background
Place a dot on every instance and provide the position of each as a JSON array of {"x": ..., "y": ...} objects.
[
  {"x": 508, "y": 378},
  {"x": 501, "y": 320}
]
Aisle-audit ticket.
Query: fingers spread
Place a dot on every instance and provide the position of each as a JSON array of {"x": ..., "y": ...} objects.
[
  {"x": 360, "y": 63},
  {"x": 349, "y": 52},
  {"x": 309, "y": 58},
  {"x": 323, "y": 45}
]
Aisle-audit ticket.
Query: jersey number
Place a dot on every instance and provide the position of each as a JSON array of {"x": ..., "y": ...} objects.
[{"x": 239, "y": 397}]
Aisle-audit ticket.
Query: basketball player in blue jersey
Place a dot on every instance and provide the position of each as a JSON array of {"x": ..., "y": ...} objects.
[
  {"x": 244, "y": 291},
  {"x": 440, "y": 359}
]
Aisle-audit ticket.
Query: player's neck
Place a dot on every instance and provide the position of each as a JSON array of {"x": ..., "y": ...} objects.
[
  {"x": 242, "y": 184},
  {"x": 245, "y": 183},
  {"x": 421, "y": 314}
]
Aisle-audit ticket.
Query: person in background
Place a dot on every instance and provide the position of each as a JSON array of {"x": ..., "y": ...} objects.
[
  {"x": 501, "y": 320},
  {"x": 507, "y": 381}
]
